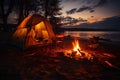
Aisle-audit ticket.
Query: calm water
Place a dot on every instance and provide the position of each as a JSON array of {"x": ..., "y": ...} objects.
[{"x": 112, "y": 35}]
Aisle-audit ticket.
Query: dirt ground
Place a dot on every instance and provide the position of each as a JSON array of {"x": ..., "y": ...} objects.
[{"x": 45, "y": 63}]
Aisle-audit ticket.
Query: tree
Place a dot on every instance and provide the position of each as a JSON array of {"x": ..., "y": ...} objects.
[
  {"x": 54, "y": 8},
  {"x": 46, "y": 8},
  {"x": 49, "y": 8},
  {"x": 5, "y": 12},
  {"x": 24, "y": 7}
]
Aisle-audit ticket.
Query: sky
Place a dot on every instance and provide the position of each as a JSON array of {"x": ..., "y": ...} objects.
[{"x": 88, "y": 11}]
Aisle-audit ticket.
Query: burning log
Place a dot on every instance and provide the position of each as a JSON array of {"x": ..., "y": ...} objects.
[
  {"x": 83, "y": 54},
  {"x": 77, "y": 53},
  {"x": 111, "y": 65},
  {"x": 73, "y": 53}
]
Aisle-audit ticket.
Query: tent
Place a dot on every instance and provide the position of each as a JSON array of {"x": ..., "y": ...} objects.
[{"x": 33, "y": 30}]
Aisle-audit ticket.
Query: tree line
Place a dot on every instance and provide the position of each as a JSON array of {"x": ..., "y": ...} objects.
[{"x": 46, "y": 8}]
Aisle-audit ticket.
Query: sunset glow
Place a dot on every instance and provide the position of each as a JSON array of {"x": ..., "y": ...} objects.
[{"x": 89, "y": 10}]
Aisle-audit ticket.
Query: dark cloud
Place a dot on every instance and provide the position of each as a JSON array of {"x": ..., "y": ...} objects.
[
  {"x": 72, "y": 21},
  {"x": 115, "y": 4},
  {"x": 70, "y": 0},
  {"x": 83, "y": 9},
  {"x": 112, "y": 23},
  {"x": 74, "y": 10},
  {"x": 101, "y": 3},
  {"x": 107, "y": 23},
  {"x": 68, "y": 18},
  {"x": 71, "y": 11},
  {"x": 82, "y": 20},
  {"x": 95, "y": 3},
  {"x": 90, "y": 8}
]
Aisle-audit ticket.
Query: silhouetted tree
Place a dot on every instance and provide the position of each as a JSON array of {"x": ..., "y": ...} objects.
[
  {"x": 46, "y": 8},
  {"x": 21, "y": 8},
  {"x": 24, "y": 7},
  {"x": 54, "y": 8},
  {"x": 9, "y": 4},
  {"x": 49, "y": 8},
  {"x": 53, "y": 11}
]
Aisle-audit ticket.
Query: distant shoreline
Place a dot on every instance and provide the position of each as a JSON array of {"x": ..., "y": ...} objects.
[
  {"x": 87, "y": 29},
  {"x": 65, "y": 29}
]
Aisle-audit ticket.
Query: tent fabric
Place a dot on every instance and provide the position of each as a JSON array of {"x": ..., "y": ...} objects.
[{"x": 34, "y": 30}]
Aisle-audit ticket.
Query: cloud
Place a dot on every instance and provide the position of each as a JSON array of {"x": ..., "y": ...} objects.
[
  {"x": 88, "y": 5},
  {"x": 69, "y": 21},
  {"x": 112, "y": 23},
  {"x": 82, "y": 20},
  {"x": 75, "y": 10},
  {"x": 71, "y": 11},
  {"x": 70, "y": 0},
  {"x": 92, "y": 10},
  {"x": 107, "y": 23},
  {"x": 84, "y": 9},
  {"x": 91, "y": 4},
  {"x": 101, "y": 3},
  {"x": 95, "y": 3}
]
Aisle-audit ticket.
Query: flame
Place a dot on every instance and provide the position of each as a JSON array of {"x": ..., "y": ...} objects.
[
  {"x": 76, "y": 46},
  {"x": 77, "y": 52}
]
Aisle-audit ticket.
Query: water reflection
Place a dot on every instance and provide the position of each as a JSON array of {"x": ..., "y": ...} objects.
[{"x": 112, "y": 35}]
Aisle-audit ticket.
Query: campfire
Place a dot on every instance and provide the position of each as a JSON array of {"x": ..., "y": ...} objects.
[{"x": 77, "y": 52}]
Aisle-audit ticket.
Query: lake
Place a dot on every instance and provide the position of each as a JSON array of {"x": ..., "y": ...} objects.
[{"x": 112, "y": 35}]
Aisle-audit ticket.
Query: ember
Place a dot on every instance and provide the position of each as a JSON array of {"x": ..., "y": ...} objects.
[{"x": 77, "y": 52}]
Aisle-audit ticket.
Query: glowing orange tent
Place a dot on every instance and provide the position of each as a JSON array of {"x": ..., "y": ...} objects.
[{"x": 34, "y": 30}]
